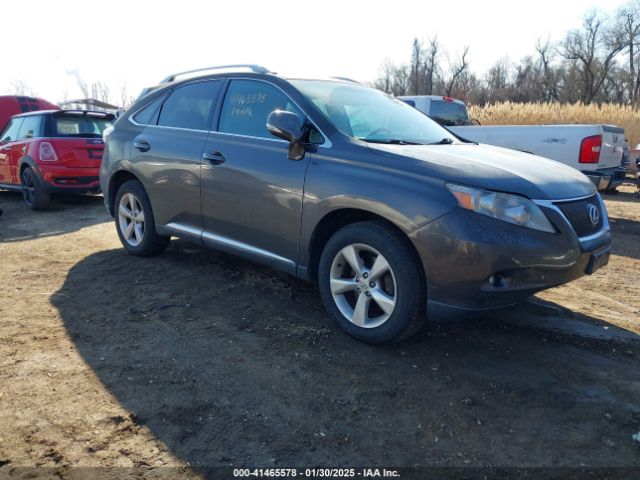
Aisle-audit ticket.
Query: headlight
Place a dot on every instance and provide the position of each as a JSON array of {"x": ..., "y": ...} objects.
[{"x": 502, "y": 206}]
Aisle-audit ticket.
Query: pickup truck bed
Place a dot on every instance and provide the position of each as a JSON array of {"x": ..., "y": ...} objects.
[{"x": 595, "y": 150}]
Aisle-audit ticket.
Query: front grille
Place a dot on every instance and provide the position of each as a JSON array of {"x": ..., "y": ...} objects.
[{"x": 579, "y": 215}]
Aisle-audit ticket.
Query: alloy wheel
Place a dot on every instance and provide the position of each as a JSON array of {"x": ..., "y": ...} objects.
[
  {"x": 363, "y": 285},
  {"x": 131, "y": 219},
  {"x": 28, "y": 187}
]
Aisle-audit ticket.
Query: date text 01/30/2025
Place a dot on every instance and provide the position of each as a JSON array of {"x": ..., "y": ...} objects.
[{"x": 315, "y": 473}]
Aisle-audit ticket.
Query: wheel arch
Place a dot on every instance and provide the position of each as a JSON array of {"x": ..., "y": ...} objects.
[
  {"x": 334, "y": 221},
  {"x": 26, "y": 162},
  {"x": 117, "y": 179}
]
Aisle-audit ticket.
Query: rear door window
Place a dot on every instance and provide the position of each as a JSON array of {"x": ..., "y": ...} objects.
[
  {"x": 84, "y": 126},
  {"x": 247, "y": 105},
  {"x": 32, "y": 127},
  {"x": 190, "y": 106},
  {"x": 10, "y": 133}
]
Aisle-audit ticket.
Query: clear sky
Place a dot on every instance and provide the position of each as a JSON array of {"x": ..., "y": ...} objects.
[{"x": 138, "y": 42}]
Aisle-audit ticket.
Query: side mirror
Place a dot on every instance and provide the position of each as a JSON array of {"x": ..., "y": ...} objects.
[
  {"x": 475, "y": 121},
  {"x": 287, "y": 126}
]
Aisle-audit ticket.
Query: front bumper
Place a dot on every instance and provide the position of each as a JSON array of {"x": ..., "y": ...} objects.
[{"x": 473, "y": 262}]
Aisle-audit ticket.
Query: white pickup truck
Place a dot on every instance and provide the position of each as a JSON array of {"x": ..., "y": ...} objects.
[{"x": 595, "y": 150}]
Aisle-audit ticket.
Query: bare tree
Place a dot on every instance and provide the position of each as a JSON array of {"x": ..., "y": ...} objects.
[
  {"x": 400, "y": 84},
  {"x": 585, "y": 67},
  {"x": 628, "y": 24},
  {"x": 593, "y": 49},
  {"x": 394, "y": 79},
  {"x": 497, "y": 80},
  {"x": 126, "y": 99},
  {"x": 431, "y": 70},
  {"x": 20, "y": 87},
  {"x": 417, "y": 69},
  {"x": 616, "y": 87},
  {"x": 384, "y": 81},
  {"x": 467, "y": 86},
  {"x": 102, "y": 92},
  {"x": 456, "y": 70},
  {"x": 548, "y": 80}
]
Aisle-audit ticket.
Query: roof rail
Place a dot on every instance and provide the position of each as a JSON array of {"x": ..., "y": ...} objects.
[
  {"x": 253, "y": 68},
  {"x": 346, "y": 79}
]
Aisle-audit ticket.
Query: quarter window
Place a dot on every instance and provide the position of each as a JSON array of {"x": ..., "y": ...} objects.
[
  {"x": 190, "y": 106},
  {"x": 148, "y": 115},
  {"x": 11, "y": 132},
  {"x": 247, "y": 105},
  {"x": 31, "y": 127}
]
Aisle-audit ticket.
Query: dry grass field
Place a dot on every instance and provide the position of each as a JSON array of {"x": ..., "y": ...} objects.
[{"x": 508, "y": 113}]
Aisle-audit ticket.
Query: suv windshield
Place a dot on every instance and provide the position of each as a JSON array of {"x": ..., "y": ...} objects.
[
  {"x": 79, "y": 126},
  {"x": 371, "y": 115},
  {"x": 449, "y": 114}
]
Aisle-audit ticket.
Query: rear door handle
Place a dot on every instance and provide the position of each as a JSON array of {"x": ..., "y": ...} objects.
[
  {"x": 142, "y": 145},
  {"x": 216, "y": 158}
]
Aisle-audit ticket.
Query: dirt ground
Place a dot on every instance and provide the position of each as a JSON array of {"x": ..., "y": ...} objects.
[{"x": 196, "y": 359}]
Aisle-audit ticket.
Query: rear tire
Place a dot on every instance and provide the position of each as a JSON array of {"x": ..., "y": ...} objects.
[
  {"x": 372, "y": 283},
  {"x": 33, "y": 193},
  {"x": 135, "y": 223}
]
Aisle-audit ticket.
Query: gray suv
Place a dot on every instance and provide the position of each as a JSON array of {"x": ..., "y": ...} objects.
[{"x": 339, "y": 183}]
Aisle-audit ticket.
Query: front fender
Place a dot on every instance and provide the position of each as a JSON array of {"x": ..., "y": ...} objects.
[{"x": 407, "y": 200}]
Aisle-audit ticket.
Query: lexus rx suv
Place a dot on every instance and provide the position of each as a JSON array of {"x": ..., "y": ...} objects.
[
  {"x": 52, "y": 151},
  {"x": 339, "y": 183}
]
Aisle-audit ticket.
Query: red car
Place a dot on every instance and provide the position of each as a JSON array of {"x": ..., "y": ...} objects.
[{"x": 52, "y": 151}]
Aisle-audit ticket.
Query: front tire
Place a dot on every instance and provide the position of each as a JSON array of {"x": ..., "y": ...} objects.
[
  {"x": 33, "y": 193},
  {"x": 135, "y": 223},
  {"x": 372, "y": 284}
]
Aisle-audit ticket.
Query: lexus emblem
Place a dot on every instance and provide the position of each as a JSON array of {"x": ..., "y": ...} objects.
[{"x": 594, "y": 214}]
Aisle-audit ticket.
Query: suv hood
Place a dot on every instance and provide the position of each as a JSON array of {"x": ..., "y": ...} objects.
[{"x": 492, "y": 168}]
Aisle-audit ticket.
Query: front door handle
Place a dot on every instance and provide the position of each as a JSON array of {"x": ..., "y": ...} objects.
[
  {"x": 216, "y": 158},
  {"x": 142, "y": 145}
]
